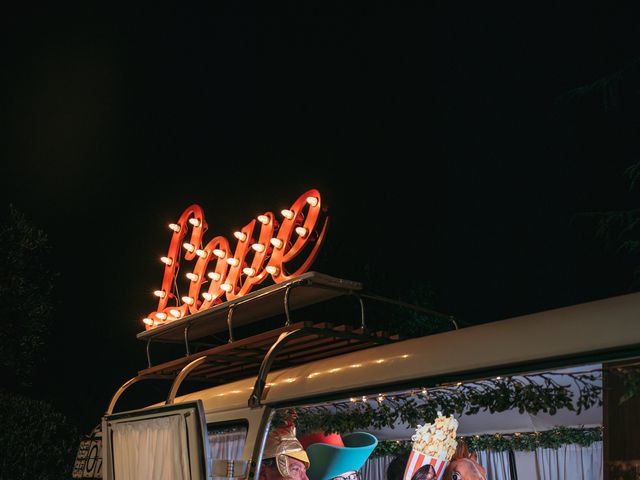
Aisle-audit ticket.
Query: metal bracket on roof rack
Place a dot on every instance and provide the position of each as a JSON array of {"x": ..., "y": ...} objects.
[
  {"x": 181, "y": 376},
  {"x": 229, "y": 322},
  {"x": 149, "y": 352},
  {"x": 265, "y": 367}
]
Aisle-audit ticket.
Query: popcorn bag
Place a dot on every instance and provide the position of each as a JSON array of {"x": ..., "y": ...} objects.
[{"x": 434, "y": 444}]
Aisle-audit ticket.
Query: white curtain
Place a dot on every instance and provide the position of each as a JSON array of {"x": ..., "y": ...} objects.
[
  {"x": 227, "y": 445},
  {"x": 495, "y": 463},
  {"x": 376, "y": 468},
  {"x": 152, "y": 449},
  {"x": 570, "y": 462}
]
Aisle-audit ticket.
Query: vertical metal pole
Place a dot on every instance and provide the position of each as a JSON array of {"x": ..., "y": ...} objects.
[
  {"x": 229, "y": 324},
  {"x": 186, "y": 338},
  {"x": 148, "y": 353},
  {"x": 286, "y": 306}
]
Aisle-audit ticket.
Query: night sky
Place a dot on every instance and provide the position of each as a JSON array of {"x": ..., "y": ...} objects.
[{"x": 456, "y": 145}]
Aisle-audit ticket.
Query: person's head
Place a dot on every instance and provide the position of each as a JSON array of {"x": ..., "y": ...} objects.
[
  {"x": 335, "y": 457},
  {"x": 425, "y": 472},
  {"x": 395, "y": 470},
  {"x": 283, "y": 456}
]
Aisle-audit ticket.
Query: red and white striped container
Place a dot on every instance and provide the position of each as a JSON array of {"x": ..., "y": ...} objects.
[{"x": 418, "y": 459}]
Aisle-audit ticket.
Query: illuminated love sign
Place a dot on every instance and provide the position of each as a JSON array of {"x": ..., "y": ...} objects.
[{"x": 233, "y": 275}]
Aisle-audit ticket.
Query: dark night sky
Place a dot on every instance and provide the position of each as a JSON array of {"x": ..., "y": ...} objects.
[{"x": 440, "y": 136}]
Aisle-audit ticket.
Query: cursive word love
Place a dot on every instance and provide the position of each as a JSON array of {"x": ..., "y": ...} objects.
[{"x": 264, "y": 249}]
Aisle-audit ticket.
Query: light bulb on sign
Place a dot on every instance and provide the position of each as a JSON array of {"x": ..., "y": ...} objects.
[
  {"x": 207, "y": 296},
  {"x": 313, "y": 201},
  {"x": 302, "y": 231},
  {"x": 161, "y": 316},
  {"x": 188, "y": 300},
  {"x": 215, "y": 276},
  {"x": 193, "y": 277},
  {"x": 258, "y": 247},
  {"x": 147, "y": 321},
  {"x": 219, "y": 253},
  {"x": 175, "y": 227},
  {"x": 160, "y": 293},
  {"x": 263, "y": 219},
  {"x": 234, "y": 262},
  {"x": 226, "y": 287},
  {"x": 166, "y": 260},
  {"x": 175, "y": 313},
  {"x": 249, "y": 272},
  {"x": 272, "y": 270},
  {"x": 276, "y": 242},
  {"x": 201, "y": 253},
  {"x": 188, "y": 247},
  {"x": 195, "y": 222},
  {"x": 288, "y": 214},
  {"x": 240, "y": 236}
]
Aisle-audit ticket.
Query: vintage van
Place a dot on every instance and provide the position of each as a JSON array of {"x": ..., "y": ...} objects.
[{"x": 298, "y": 364}]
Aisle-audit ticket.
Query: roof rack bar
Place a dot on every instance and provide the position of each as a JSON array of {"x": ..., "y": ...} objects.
[
  {"x": 181, "y": 376},
  {"x": 417, "y": 308}
]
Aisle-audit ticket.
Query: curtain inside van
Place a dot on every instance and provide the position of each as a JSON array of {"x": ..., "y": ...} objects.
[
  {"x": 155, "y": 448},
  {"x": 570, "y": 462},
  {"x": 495, "y": 463}
]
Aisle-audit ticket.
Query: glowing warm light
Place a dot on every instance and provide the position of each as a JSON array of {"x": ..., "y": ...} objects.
[
  {"x": 188, "y": 247},
  {"x": 188, "y": 300},
  {"x": 215, "y": 276},
  {"x": 161, "y": 316},
  {"x": 166, "y": 261},
  {"x": 207, "y": 296},
  {"x": 458, "y": 384},
  {"x": 175, "y": 227},
  {"x": 314, "y": 374},
  {"x": 313, "y": 201},
  {"x": 175, "y": 313},
  {"x": 276, "y": 242},
  {"x": 193, "y": 277},
  {"x": 250, "y": 272},
  {"x": 201, "y": 253},
  {"x": 160, "y": 293},
  {"x": 364, "y": 399},
  {"x": 240, "y": 236},
  {"x": 227, "y": 287},
  {"x": 147, "y": 321},
  {"x": 498, "y": 378},
  {"x": 234, "y": 262},
  {"x": 302, "y": 231},
  {"x": 263, "y": 219},
  {"x": 290, "y": 380},
  {"x": 272, "y": 270},
  {"x": 219, "y": 253},
  {"x": 353, "y": 399},
  {"x": 195, "y": 222},
  {"x": 288, "y": 214},
  {"x": 356, "y": 365},
  {"x": 334, "y": 370},
  {"x": 258, "y": 247},
  {"x": 380, "y": 361},
  {"x": 380, "y": 398},
  {"x": 424, "y": 391}
]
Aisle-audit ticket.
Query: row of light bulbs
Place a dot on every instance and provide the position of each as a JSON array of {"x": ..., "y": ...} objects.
[{"x": 234, "y": 262}]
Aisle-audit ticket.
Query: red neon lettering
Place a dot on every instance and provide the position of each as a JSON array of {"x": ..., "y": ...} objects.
[{"x": 220, "y": 273}]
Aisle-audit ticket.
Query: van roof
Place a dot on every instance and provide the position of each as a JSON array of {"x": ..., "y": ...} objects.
[{"x": 594, "y": 331}]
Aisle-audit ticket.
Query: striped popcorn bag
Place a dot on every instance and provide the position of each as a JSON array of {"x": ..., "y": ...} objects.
[{"x": 418, "y": 459}]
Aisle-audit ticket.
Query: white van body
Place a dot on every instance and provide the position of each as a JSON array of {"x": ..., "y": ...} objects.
[{"x": 603, "y": 330}]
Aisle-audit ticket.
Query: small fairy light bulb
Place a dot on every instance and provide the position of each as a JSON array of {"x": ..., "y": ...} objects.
[
  {"x": 193, "y": 277},
  {"x": 313, "y": 201},
  {"x": 263, "y": 219},
  {"x": 215, "y": 276},
  {"x": 364, "y": 399},
  {"x": 219, "y": 253},
  {"x": 234, "y": 262},
  {"x": 201, "y": 253},
  {"x": 175, "y": 227},
  {"x": 166, "y": 260},
  {"x": 353, "y": 400},
  {"x": 458, "y": 384},
  {"x": 147, "y": 321},
  {"x": 276, "y": 242},
  {"x": 249, "y": 272},
  {"x": 288, "y": 214},
  {"x": 424, "y": 391},
  {"x": 498, "y": 378},
  {"x": 380, "y": 398},
  {"x": 188, "y": 247},
  {"x": 195, "y": 222},
  {"x": 240, "y": 236},
  {"x": 226, "y": 287},
  {"x": 302, "y": 231},
  {"x": 161, "y": 316},
  {"x": 258, "y": 247},
  {"x": 188, "y": 300},
  {"x": 272, "y": 270},
  {"x": 207, "y": 296},
  {"x": 174, "y": 312},
  {"x": 160, "y": 293}
]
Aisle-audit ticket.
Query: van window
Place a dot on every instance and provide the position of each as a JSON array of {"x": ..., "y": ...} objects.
[{"x": 226, "y": 441}]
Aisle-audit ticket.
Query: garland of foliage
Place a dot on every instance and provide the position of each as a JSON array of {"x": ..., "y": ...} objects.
[
  {"x": 528, "y": 393},
  {"x": 554, "y": 438}
]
